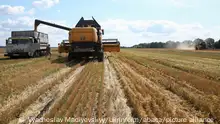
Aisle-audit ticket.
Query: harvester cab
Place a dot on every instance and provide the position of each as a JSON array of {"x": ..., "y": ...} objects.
[{"x": 89, "y": 23}]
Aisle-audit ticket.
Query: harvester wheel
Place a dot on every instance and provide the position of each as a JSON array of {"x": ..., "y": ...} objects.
[
  {"x": 70, "y": 56},
  {"x": 101, "y": 57}
]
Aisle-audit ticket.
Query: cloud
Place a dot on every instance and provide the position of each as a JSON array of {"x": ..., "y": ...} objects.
[
  {"x": 45, "y": 3},
  {"x": 180, "y": 3},
  {"x": 183, "y": 3},
  {"x": 31, "y": 11},
  {"x": 27, "y": 23},
  {"x": 11, "y": 10},
  {"x": 18, "y": 23},
  {"x": 160, "y": 28},
  {"x": 129, "y": 32},
  {"x": 14, "y": 10}
]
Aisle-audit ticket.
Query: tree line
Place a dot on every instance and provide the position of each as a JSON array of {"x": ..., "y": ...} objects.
[{"x": 197, "y": 44}]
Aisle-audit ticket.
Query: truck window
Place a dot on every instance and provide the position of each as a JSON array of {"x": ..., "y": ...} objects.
[
  {"x": 21, "y": 41},
  {"x": 9, "y": 41}
]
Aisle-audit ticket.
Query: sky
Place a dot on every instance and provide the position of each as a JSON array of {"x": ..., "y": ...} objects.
[{"x": 130, "y": 21}]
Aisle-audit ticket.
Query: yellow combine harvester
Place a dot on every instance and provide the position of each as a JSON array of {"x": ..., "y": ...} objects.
[
  {"x": 64, "y": 47},
  {"x": 85, "y": 39}
]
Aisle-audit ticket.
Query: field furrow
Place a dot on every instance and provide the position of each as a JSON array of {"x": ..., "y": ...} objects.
[
  {"x": 152, "y": 91},
  {"x": 117, "y": 104},
  {"x": 18, "y": 103},
  {"x": 130, "y": 86},
  {"x": 81, "y": 99},
  {"x": 193, "y": 65},
  {"x": 50, "y": 97}
]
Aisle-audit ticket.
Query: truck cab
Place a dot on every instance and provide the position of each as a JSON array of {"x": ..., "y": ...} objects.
[{"x": 20, "y": 46}]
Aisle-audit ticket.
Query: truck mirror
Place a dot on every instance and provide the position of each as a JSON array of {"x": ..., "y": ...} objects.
[
  {"x": 102, "y": 31},
  {"x": 6, "y": 41}
]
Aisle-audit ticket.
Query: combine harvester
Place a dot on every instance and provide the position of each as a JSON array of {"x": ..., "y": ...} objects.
[
  {"x": 64, "y": 47},
  {"x": 85, "y": 39}
]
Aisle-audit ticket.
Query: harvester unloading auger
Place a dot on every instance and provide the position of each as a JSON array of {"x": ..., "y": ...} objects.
[{"x": 85, "y": 39}]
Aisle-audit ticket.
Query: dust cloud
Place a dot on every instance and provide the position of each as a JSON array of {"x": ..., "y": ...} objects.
[{"x": 184, "y": 46}]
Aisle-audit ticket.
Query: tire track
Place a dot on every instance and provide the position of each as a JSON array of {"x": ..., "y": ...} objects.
[
  {"x": 16, "y": 104},
  {"x": 117, "y": 103},
  {"x": 73, "y": 103},
  {"x": 47, "y": 100},
  {"x": 81, "y": 98},
  {"x": 16, "y": 81},
  {"x": 197, "y": 98}
]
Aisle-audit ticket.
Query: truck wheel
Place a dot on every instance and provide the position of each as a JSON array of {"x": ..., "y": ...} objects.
[
  {"x": 40, "y": 53},
  {"x": 36, "y": 54}
]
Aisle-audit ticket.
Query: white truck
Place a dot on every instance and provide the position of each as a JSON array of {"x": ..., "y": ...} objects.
[{"x": 26, "y": 43}]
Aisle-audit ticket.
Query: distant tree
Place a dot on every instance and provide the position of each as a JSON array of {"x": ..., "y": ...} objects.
[
  {"x": 217, "y": 44},
  {"x": 178, "y": 42},
  {"x": 160, "y": 45},
  {"x": 170, "y": 44},
  {"x": 124, "y": 47},
  {"x": 210, "y": 43},
  {"x": 199, "y": 44},
  {"x": 150, "y": 45},
  {"x": 188, "y": 42},
  {"x": 197, "y": 41}
]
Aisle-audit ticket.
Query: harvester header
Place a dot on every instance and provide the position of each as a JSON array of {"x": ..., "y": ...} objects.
[{"x": 111, "y": 45}]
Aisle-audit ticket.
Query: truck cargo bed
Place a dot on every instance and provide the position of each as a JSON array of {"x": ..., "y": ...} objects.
[{"x": 31, "y": 33}]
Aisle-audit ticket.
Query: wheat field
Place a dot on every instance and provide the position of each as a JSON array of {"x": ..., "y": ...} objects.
[{"x": 132, "y": 86}]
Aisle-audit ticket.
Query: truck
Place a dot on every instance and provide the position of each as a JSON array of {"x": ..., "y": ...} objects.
[{"x": 28, "y": 43}]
